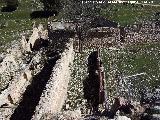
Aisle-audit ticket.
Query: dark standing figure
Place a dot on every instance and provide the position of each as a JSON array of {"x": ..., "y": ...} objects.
[{"x": 93, "y": 86}]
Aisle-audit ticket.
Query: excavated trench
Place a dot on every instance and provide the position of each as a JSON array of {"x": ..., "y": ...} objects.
[
  {"x": 34, "y": 92},
  {"x": 31, "y": 97}
]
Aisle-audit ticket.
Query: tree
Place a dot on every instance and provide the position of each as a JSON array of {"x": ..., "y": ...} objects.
[
  {"x": 52, "y": 5},
  {"x": 78, "y": 9},
  {"x": 11, "y": 5},
  {"x": 73, "y": 9}
]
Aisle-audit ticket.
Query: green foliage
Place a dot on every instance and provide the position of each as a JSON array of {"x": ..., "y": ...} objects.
[
  {"x": 11, "y": 2},
  {"x": 145, "y": 58},
  {"x": 52, "y": 5},
  {"x": 75, "y": 10},
  {"x": 14, "y": 23}
]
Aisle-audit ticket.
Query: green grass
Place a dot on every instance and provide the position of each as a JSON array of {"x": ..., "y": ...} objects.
[
  {"x": 128, "y": 61},
  {"x": 14, "y": 23},
  {"x": 144, "y": 60},
  {"x": 128, "y": 14}
]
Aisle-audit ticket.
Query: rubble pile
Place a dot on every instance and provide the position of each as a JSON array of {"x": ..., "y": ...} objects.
[{"x": 138, "y": 33}]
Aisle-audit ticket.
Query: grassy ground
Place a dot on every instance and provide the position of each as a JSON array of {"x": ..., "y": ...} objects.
[
  {"x": 145, "y": 59},
  {"x": 134, "y": 60},
  {"x": 129, "y": 61},
  {"x": 128, "y": 14},
  {"x": 13, "y": 23}
]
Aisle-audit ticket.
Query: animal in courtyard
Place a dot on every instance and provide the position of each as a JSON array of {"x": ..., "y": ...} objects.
[{"x": 94, "y": 83}]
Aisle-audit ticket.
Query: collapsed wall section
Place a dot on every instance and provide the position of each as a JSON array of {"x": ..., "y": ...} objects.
[
  {"x": 16, "y": 72},
  {"x": 55, "y": 93},
  {"x": 12, "y": 95}
]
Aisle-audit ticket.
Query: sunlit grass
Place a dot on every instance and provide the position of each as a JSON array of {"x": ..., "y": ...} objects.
[
  {"x": 128, "y": 14},
  {"x": 144, "y": 60},
  {"x": 12, "y": 24}
]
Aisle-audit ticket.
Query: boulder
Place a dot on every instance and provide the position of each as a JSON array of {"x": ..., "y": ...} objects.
[{"x": 38, "y": 37}]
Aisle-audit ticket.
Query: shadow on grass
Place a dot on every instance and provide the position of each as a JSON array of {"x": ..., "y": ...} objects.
[
  {"x": 42, "y": 14},
  {"x": 9, "y": 9}
]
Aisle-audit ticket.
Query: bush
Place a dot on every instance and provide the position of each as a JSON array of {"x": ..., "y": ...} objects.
[
  {"x": 51, "y": 5},
  {"x": 74, "y": 9},
  {"x": 13, "y": 3}
]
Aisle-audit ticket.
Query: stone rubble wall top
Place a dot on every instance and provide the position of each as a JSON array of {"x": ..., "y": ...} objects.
[{"x": 55, "y": 92}]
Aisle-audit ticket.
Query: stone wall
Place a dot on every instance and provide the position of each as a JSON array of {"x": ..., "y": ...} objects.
[
  {"x": 14, "y": 68},
  {"x": 145, "y": 32},
  {"x": 30, "y": 63},
  {"x": 12, "y": 95},
  {"x": 16, "y": 74},
  {"x": 55, "y": 93}
]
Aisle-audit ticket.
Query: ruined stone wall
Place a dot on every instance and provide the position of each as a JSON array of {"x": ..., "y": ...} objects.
[
  {"x": 54, "y": 94},
  {"x": 146, "y": 32},
  {"x": 103, "y": 37},
  {"x": 12, "y": 95},
  {"x": 16, "y": 75},
  {"x": 30, "y": 64}
]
